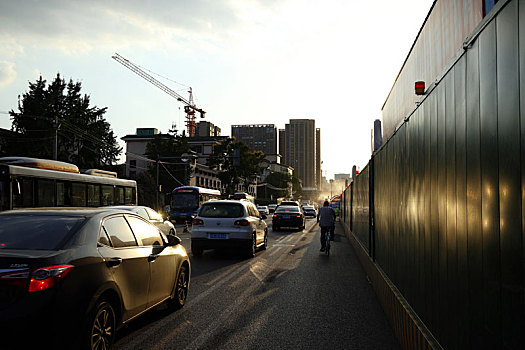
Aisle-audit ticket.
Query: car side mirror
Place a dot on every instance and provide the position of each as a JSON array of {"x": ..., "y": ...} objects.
[{"x": 174, "y": 240}]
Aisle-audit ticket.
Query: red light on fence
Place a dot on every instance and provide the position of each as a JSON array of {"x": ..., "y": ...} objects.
[{"x": 420, "y": 87}]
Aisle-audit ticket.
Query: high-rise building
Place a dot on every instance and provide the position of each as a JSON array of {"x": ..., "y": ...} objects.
[
  {"x": 258, "y": 137},
  {"x": 302, "y": 151},
  {"x": 282, "y": 142},
  {"x": 206, "y": 129},
  {"x": 318, "y": 174}
]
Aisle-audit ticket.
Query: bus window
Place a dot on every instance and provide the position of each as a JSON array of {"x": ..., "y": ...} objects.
[
  {"x": 27, "y": 192},
  {"x": 119, "y": 195},
  {"x": 4, "y": 195},
  {"x": 45, "y": 193},
  {"x": 93, "y": 192},
  {"x": 63, "y": 194},
  {"x": 107, "y": 195},
  {"x": 128, "y": 195},
  {"x": 78, "y": 195}
]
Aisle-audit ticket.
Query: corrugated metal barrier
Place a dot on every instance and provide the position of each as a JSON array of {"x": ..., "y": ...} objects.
[{"x": 438, "y": 215}]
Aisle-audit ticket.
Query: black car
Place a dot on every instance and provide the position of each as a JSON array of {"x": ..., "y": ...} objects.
[
  {"x": 309, "y": 211},
  {"x": 83, "y": 273},
  {"x": 288, "y": 216}
]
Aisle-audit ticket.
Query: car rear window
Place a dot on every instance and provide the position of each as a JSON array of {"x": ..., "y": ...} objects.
[
  {"x": 290, "y": 209},
  {"x": 222, "y": 210},
  {"x": 38, "y": 232}
]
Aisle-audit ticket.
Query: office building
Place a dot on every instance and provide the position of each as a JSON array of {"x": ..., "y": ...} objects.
[
  {"x": 206, "y": 129},
  {"x": 258, "y": 137},
  {"x": 302, "y": 148}
]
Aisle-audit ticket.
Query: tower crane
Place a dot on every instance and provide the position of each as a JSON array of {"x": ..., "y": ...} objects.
[{"x": 189, "y": 105}]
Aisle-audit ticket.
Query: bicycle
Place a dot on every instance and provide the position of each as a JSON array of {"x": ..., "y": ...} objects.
[{"x": 327, "y": 244}]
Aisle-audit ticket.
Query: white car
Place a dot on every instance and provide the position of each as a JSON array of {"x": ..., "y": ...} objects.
[
  {"x": 263, "y": 209},
  {"x": 229, "y": 223},
  {"x": 150, "y": 215}
]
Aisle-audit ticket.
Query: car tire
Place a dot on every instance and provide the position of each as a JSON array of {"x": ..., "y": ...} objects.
[
  {"x": 196, "y": 249},
  {"x": 180, "y": 290},
  {"x": 265, "y": 242},
  {"x": 101, "y": 327},
  {"x": 250, "y": 250},
  {"x": 275, "y": 228}
]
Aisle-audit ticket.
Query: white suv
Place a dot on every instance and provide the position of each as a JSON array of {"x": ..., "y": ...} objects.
[{"x": 229, "y": 223}]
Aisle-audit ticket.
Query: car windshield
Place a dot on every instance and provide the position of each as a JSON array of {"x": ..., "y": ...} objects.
[
  {"x": 222, "y": 210},
  {"x": 35, "y": 232},
  {"x": 288, "y": 209}
]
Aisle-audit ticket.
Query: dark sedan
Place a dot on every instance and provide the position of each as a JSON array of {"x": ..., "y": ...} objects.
[
  {"x": 77, "y": 275},
  {"x": 288, "y": 216}
]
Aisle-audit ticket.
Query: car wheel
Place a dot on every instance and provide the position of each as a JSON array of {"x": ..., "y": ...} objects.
[
  {"x": 180, "y": 293},
  {"x": 265, "y": 243},
  {"x": 196, "y": 249},
  {"x": 101, "y": 327},
  {"x": 275, "y": 228},
  {"x": 250, "y": 251}
]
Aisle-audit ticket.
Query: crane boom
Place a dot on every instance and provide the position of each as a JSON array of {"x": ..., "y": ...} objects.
[{"x": 189, "y": 105}]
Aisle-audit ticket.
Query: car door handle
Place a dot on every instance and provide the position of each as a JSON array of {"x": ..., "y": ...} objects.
[
  {"x": 152, "y": 257},
  {"x": 113, "y": 262}
]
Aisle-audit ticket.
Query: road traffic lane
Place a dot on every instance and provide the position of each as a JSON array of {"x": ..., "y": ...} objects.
[{"x": 289, "y": 296}]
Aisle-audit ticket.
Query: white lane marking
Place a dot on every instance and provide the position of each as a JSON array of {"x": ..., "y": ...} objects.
[
  {"x": 159, "y": 326},
  {"x": 276, "y": 250},
  {"x": 210, "y": 331}
]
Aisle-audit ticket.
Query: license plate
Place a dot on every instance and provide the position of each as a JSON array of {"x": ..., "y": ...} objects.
[
  {"x": 218, "y": 236},
  {"x": 286, "y": 217}
]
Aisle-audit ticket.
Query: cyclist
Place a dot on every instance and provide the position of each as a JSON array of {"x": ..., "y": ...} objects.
[{"x": 326, "y": 220}]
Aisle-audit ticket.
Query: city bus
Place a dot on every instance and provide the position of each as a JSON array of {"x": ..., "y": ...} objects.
[
  {"x": 31, "y": 182},
  {"x": 186, "y": 200}
]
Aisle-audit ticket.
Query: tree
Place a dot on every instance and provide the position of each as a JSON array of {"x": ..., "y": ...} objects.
[
  {"x": 231, "y": 174},
  {"x": 168, "y": 149},
  {"x": 84, "y": 136},
  {"x": 297, "y": 189},
  {"x": 278, "y": 180}
]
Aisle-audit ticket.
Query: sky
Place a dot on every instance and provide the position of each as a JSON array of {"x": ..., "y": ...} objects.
[{"x": 247, "y": 61}]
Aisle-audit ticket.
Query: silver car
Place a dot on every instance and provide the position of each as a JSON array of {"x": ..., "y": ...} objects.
[
  {"x": 229, "y": 223},
  {"x": 152, "y": 216}
]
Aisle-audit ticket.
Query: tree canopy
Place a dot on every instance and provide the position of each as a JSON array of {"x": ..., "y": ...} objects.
[
  {"x": 168, "y": 149},
  {"x": 84, "y": 136},
  {"x": 230, "y": 173}
]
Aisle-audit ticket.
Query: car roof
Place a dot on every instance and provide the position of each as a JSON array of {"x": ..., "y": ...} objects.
[
  {"x": 229, "y": 201},
  {"x": 126, "y": 207},
  {"x": 73, "y": 211}
]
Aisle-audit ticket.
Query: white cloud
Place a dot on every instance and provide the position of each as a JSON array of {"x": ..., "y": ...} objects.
[
  {"x": 9, "y": 47},
  {"x": 7, "y": 73}
]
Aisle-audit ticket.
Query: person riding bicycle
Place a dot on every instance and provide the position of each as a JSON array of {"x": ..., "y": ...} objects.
[{"x": 326, "y": 220}]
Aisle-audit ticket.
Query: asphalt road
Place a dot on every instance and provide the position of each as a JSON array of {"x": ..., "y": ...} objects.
[{"x": 289, "y": 296}]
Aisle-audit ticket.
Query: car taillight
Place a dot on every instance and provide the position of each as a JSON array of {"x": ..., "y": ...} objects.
[
  {"x": 298, "y": 216},
  {"x": 197, "y": 222},
  {"x": 242, "y": 222},
  {"x": 274, "y": 215},
  {"x": 36, "y": 280},
  {"x": 46, "y": 277}
]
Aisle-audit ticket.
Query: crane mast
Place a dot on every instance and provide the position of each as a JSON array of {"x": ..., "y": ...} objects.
[{"x": 189, "y": 105}]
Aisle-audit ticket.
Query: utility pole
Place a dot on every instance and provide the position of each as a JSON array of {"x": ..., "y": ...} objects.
[
  {"x": 157, "y": 187},
  {"x": 55, "y": 140}
]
